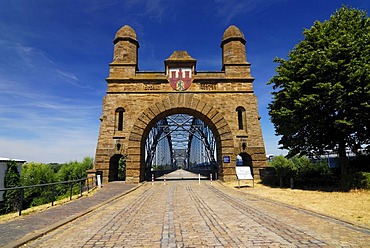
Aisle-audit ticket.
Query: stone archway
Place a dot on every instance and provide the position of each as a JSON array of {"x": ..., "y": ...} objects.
[
  {"x": 186, "y": 104},
  {"x": 224, "y": 100}
]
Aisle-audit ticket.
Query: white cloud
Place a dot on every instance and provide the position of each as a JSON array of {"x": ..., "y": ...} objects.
[
  {"x": 152, "y": 9},
  {"x": 229, "y": 9},
  {"x": 155, "y": 9},
  {"x": 67, "y": 75},
  {"x": 31, "y": 56}
]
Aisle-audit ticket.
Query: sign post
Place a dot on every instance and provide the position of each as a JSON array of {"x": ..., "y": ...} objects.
[{"x": 244, "y": 173}]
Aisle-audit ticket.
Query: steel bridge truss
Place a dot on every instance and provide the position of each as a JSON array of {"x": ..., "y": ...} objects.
[{"x": 180, "y": 140}]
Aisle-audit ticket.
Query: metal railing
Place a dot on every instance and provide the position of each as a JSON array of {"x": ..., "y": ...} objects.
[{"x": 85, "y": 184}]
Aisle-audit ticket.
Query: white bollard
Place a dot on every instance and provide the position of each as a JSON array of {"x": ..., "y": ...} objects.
[
  {"x": 98, "y": 179},
  {"x": 164, "y": 180},
  {"x": 211, "y": 178},
  {"x": 152, "y": 179},
  {"x": 199, "y": 178}
]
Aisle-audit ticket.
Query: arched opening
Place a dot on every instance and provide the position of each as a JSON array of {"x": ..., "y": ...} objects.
[
  {"x": 180, "y": 139},
  {"x": 117, "y": 168}
]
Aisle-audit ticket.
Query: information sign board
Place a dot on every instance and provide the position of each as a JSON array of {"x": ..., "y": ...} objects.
[
  {"x": 226, "y": 159},
  {"x": 244, "y": 173}
]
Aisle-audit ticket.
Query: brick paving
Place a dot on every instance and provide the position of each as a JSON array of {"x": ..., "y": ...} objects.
[
  {"x": 17, "y": 231},
  {"x": 185, "y": 214}
]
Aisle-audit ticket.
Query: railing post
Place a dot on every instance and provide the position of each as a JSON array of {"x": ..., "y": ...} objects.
[
  {"x": 88, "y": 184},
  {"x": 52, "y": 194},
  {"x": 292, "y": 183},
  {"x": 98, "y": 180},
  {"x": 70, "y": 190},
  {"x": 81, "y": 185},
  {"x": 21, "y": 201}
]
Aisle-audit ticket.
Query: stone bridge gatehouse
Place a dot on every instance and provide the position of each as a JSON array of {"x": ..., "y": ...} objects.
[{"x": 136, "y": 100}]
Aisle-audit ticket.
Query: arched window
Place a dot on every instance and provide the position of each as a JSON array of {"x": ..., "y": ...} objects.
[
  {"x": 241, "y": 118},
  {"x": 119, "y": 118}
]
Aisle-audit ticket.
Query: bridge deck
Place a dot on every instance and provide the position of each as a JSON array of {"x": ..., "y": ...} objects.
[{"x": 181, "y": 174}]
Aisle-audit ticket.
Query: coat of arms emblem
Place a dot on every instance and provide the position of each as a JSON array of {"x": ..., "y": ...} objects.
[{"x": 180, "y": 78}]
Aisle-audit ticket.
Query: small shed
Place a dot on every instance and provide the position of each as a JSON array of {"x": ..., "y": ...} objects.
[{"x": 3, "y": 167}]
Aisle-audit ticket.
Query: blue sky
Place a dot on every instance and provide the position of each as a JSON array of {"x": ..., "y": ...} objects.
[{"x": 54, "y": 57}]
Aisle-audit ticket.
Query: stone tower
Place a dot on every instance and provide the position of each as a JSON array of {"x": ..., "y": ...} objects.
[{"x": 136, "y": 100}]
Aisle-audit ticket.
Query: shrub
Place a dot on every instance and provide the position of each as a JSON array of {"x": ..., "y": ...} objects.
[
  {"x": 311, "y": 173},
  {"x": 360, "y": 163},
  {"x": 360, "y": 180},
  {"x": 284, "y": 168},
  {"x": 304, "y": 172}
]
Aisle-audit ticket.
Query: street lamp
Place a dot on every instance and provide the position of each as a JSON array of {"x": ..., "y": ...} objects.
[{"x": 118, "y": 144}]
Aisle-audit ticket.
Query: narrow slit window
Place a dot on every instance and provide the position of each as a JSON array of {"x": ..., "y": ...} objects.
[
  {"x": 241, "y": 118},
  {"x": 119, "y": 118}
]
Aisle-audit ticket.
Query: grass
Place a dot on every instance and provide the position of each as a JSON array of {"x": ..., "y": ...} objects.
[{"x": 352, "y": 206}]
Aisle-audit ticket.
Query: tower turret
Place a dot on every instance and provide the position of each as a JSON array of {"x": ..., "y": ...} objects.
[
  {"x": 125, "y": 51},
  {"x": 233, "y": 48}
]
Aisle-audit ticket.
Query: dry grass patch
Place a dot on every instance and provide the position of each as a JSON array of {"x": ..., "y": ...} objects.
[{"x": 353, "y": 206}]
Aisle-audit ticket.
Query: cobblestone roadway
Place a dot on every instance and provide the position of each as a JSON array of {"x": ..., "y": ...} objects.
[{"x": 185, "y": 214}]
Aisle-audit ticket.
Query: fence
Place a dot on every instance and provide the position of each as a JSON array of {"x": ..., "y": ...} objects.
[{"x": 85, "y": 184}]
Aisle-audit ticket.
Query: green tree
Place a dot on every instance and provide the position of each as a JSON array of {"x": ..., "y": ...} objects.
[
  {"x": 34, "y": 174},
  {"x": 321, "y": 98},
  {"x": 37, "y": 173},
  {"x": 72, "y": 171},
  {"x": 55, "y": 166},
  {"x": 75, "y": 170},
  {"x": 11, "y": 180}
]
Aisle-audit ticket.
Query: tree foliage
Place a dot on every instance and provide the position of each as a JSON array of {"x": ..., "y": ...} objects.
[
  {"x": 34, "y": 174},
  {"x": 11, "y": 180},
  {"x": 37, "y": 173},
  {"x": 321, "y": 98},
  {"x": 72, "y": 171}
]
